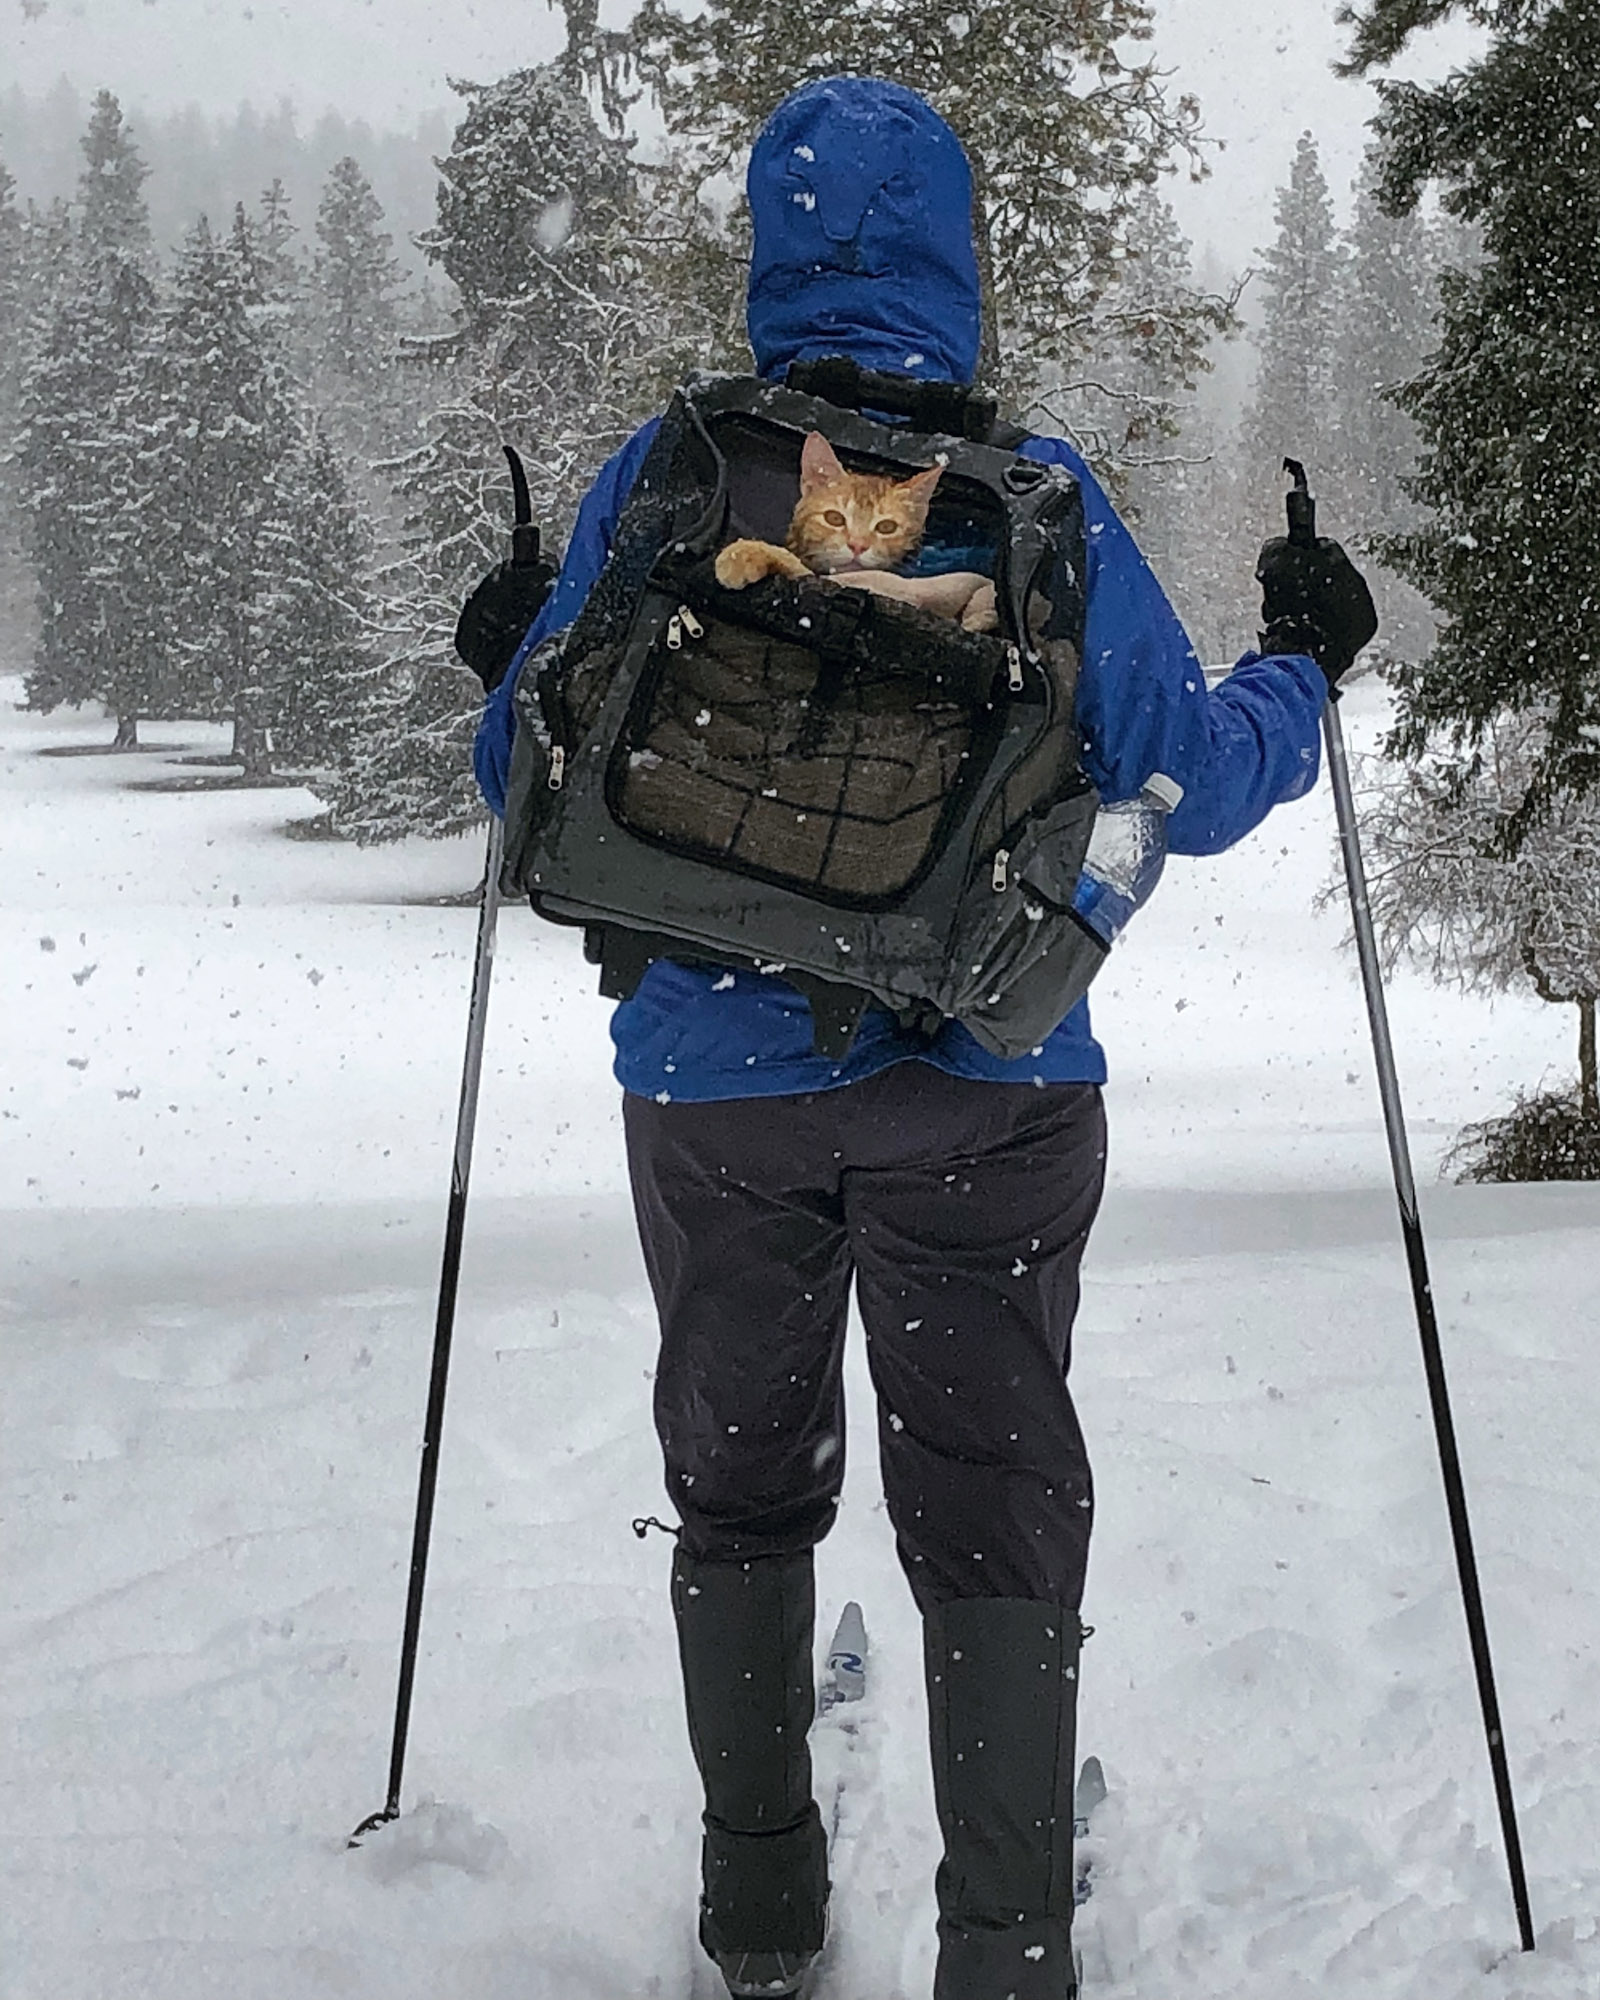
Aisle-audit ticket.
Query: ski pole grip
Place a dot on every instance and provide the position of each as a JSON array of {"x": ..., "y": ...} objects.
[
  {"x": 1300, "y": 507},
  {"x": 524, "y": 536}
]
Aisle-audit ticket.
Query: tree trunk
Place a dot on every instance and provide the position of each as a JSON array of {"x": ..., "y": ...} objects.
[
  {"x": 250, "y": 748},
  {"x": 127, "y": 736},
  {"x": 1588, "y": 1081},
  {"x": 989, "y": 322}
]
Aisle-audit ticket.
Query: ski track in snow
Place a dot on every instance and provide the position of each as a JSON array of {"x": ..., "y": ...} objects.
[{"x": 222, "y": 1187}]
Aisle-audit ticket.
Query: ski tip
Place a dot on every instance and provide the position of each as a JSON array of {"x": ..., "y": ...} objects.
[{"x": 846, "y": 1676}]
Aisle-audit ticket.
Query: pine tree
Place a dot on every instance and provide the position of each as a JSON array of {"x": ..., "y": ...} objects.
[
  {"x": 1384, "y": 328},
  {"x": 46, "y": 268},
  {"x": 531, "y": 196},
  {"x": 1446, "y": 894},
  {"x": 11, "y": 275},
  {"x": 558, "y": 347},
  {"x": 85, "y": 477},
  {"x": 112, "y": 216},
  {"x": 1508, "y": 407},
  {"x": 1065, "y": 130},
  {"x": 1293, "y": 407},
  {"x": 317, "y": 628},
  {"x": 1137, "y": 411},
  {"x": 356, "y": 278},
  {"x": 225, "y": 440},
  {"x": 358, "y": 322},
  {"x": 13, "y": 314},
  {"x": 282, "y": 275}
]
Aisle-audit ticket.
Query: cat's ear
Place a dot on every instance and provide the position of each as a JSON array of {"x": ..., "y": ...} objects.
[
  {"x": 819, "y": 466},
  {"x": 919, "y": 488}
]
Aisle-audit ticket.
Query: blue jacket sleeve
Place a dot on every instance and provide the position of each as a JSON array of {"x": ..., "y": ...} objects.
[
  {"x": 1237, "y": 750},
  {"x": 586, "y": 555}
]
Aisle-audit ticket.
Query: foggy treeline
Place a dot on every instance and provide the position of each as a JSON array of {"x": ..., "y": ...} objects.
[{"x": 202, "y": 164}]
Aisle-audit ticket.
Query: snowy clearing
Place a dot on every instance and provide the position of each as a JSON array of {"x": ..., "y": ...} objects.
[{"x": 230, "y": 1083}]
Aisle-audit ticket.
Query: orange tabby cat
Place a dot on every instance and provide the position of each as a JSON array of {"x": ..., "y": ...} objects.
[{"x": 855, "y": 528}]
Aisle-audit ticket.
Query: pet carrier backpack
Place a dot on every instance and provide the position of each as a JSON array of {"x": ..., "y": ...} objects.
[{"x": 809, "y": 779}]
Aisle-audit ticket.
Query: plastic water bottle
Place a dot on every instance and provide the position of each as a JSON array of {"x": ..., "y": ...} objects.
[{"x": 1127, "y": 852}]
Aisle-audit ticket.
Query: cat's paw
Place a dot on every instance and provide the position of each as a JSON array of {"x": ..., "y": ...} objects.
[
  {"x": 745, "y": 562},
  {"x": 981, "y": 613}
]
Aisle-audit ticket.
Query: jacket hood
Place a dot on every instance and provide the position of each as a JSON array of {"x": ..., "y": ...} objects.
[{"x": 861, "y": 201}]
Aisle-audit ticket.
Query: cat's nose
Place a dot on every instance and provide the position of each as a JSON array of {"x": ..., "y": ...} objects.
[{"x": 858, "y": 547}]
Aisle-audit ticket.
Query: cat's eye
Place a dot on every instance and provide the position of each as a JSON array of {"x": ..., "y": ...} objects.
[
  {"x": 887, "y": 528},
  {"x": 834, "y": 518}
]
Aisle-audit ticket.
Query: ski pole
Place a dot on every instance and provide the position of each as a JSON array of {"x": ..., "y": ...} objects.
[
  {"x": 1302, "y": 533},
  {"x": 525, "y": 550},
  {"x": 444, "y": 1323}
]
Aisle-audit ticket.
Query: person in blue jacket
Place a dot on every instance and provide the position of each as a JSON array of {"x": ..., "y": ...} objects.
[{"x": 954, "y": 1189}]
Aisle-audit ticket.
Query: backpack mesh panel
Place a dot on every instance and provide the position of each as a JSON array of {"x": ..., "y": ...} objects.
[{"x": 751, "y": 753}]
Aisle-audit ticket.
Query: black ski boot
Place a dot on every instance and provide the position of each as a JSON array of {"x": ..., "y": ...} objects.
[
  {"x": 1002, "y": 1711},
  {"x": 745, "y": 1640}
]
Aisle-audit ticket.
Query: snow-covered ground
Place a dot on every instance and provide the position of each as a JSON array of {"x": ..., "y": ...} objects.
[{"x": 230, "y": 1065}]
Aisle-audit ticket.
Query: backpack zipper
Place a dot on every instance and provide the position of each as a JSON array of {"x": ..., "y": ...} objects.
[
  {"x": 554, "y": 711},
  {"x": 683, "y": 620}
]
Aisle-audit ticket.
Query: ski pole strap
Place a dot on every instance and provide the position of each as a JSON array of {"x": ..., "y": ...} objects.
[{"x": 646, "y": 1522}]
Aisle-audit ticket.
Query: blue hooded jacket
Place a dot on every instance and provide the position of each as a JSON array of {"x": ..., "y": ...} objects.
[{"x": 861, "y": 199}]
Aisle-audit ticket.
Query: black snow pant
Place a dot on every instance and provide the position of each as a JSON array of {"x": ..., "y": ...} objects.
[{"x": 960, "y": 1209}]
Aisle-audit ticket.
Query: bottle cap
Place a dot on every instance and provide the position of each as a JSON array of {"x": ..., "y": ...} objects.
[{"x": 1163, "y": 791}]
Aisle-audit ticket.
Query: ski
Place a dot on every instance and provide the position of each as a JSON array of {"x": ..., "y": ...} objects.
[
  {"x": 1087, "y": 1795},
  {"x": 844, "y": 1683}
]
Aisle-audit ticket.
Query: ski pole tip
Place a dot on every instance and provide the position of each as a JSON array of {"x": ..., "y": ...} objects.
[{"x": 371, "y": 1824}]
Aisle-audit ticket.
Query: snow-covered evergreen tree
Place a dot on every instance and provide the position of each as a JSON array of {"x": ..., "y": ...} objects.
[
  {"x": 1447, "y": 894},
  {"x": 1294, "y": 406},
  {"x": 283, "y": 273},
  {"x": 356, "y": 279},
  {"x": 112, "y": 216},
  {"x": 1066, "y": 124},
  {"x": 84, "y": 472},
  {"x": 225, "y": 439},
  {"x": 558, "y": 348},
  {"x": 1384, "y": 328},
  {"x": 46, "y": 269},
  {"x": 317, "y": 626},
  {"x": 359, "y": 318},
  {"x": 531, "y": 196},
  {"x": 1509, "y": 404},
  {"x": 13, "y": 318},
  {"x": 12, "y": 288},
  {"x": 1135, "y": 408}
]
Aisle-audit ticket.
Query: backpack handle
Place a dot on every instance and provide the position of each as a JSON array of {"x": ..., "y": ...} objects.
[{"x": 955, "y": 409}]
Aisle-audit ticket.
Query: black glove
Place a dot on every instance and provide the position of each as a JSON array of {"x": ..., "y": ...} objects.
[
  {"x": 1314, "y": 600},
  {"x": 494, "y": 620}
]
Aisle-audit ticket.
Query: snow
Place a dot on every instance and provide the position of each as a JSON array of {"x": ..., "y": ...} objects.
[{"x": 217, "y": 1299}]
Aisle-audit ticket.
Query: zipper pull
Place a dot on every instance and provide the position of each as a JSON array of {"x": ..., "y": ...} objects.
[
  {"x": 558, "y": 767},
  {"x": 997, "y": 878},
  {"x": 1014, "y": 668},
  {"x": 691, "y": 624},
  {"x": 675, "y": 633}
]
